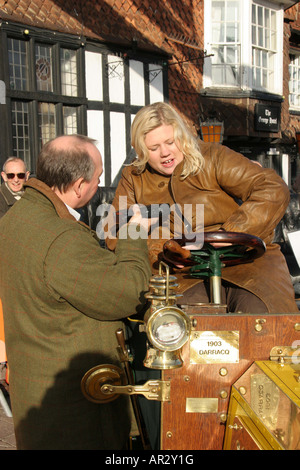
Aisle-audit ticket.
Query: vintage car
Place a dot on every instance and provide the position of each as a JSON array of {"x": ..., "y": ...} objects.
[{"x": 216, "y": 380}]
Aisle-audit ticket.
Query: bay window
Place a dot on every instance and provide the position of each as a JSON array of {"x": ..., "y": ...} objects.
[{"x": 245, "y": 40}]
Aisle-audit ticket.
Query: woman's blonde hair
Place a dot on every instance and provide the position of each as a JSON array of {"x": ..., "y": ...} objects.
[{"x": 154, "y": 115}]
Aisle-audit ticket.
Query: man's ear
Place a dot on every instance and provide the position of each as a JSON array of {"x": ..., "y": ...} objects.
[
  {"x": 77, "y": 186},
  {"x": 3, "y": 175}
]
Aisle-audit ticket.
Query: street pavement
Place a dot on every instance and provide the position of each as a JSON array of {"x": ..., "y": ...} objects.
[{"x": 7, "y": 435}]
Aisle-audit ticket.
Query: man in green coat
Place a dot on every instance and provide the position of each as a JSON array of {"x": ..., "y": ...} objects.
[{"x": 62, "y": 297}]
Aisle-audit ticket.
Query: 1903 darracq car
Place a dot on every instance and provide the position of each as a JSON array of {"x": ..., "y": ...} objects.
[{"x": 228, "y": 381}]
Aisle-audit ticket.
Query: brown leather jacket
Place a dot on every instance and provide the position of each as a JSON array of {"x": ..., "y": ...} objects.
[{"x": 238, "y": 195}]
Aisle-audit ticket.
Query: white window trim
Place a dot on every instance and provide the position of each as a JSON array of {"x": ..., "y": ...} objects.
[
  {"x": 246, "y": 48},
  {"x": 292, "y": 106}
]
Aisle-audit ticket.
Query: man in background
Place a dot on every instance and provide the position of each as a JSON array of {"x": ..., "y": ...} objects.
[{"x": 14, "y": 175}]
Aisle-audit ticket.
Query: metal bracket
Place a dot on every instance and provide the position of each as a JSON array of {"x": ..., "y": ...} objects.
[
  {"x": 104, "y": 383},
  {"x": 115, "y": 69},
  {"x": 158, "y": 390},
  {"x": 285, "y": 354}
]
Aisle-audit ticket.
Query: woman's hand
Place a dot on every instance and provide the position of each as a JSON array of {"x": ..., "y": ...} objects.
[{"x": 138, "y": 219}]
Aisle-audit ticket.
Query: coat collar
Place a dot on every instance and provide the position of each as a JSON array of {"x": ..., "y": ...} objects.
[
  {"x": 7, "y": 194},
  {"x": 59, "y": 205}
]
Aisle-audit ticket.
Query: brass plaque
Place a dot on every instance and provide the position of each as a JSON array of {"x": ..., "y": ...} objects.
[
  {"x": 201, "y": 405},
  {"x": 264, "y": 398},
  {"x": 214, "y": 347}
]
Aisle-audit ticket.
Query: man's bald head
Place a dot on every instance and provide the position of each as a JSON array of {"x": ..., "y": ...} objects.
[{"x": 65, "y": 159}]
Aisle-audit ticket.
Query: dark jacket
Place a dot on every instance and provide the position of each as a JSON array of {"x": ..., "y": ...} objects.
[
  {"x": 62, "y": 297},
  {"x": 238, "y": 196},
  {"x": 7, "y": 199}
]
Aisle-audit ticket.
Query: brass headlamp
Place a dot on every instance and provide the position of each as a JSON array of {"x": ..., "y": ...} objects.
[{"x": 167, "y": 326}]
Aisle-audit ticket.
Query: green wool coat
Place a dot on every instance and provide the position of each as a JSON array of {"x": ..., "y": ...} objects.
[{"x": 62, "y": 298}]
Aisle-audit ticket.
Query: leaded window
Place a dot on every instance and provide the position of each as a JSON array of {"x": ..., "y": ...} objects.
[
  {"x": 43, "y": 67},
  {"x": 60, "y": 84},
  {"x": 41, "y": 96},
  {"x": 68, "y": 66},
  {"x": 20, "y": 129}
]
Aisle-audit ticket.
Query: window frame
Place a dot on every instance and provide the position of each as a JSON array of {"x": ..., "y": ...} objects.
[
  {"x": 114, "y": 55},
  {"x": 246, "y": 66},
  {"x": 31, "y": 94},
  {"x": 225, "y": 45},
  {"x": 292, "y": 106},
  {"x": 33, "y": 97}
]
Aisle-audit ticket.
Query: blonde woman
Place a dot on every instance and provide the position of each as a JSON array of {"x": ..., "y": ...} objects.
[{"x": 174, "y": 167}]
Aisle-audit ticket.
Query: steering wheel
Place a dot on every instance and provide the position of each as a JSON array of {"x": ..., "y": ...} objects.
[{"x": 209, "y": 259}]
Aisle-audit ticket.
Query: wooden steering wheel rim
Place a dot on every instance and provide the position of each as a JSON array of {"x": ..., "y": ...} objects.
[{"x": 174, "y": 252}]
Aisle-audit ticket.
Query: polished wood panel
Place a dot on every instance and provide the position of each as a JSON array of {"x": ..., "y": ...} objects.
[{"x": 205, "y": 430}]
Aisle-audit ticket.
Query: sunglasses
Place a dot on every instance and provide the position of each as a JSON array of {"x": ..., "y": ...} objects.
[{"x": 11, "y": 176}]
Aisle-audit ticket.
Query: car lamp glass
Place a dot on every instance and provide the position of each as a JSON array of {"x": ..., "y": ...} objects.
[{"x": 168, "y": 328}]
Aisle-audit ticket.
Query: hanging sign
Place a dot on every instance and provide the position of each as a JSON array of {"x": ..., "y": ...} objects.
[{"x": 266, "y": 118}]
